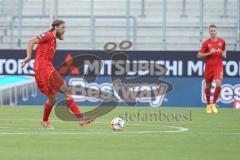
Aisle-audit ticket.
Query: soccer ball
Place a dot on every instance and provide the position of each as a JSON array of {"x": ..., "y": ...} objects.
[{"x": 117, "y": 124}]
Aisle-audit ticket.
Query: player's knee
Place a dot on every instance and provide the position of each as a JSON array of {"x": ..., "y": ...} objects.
[
  {"x": 68, "y": 93},
  {"x": 218, "y": 83},
  {"x": 52, "y": 100},
  {"x": 67, "y": 96},
  {"x": 208, "y": 85},
  {"x": 66, "y": 90}
]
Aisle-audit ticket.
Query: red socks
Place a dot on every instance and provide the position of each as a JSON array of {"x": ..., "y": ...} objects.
[
  {"x": 71, "y": 104},
  {"x": 47, "y": 110},
  {"x": 208, "y": 94},
  {"x": 216, "y": 94}
]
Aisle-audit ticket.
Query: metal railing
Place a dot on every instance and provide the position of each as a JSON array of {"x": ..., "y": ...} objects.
[
  {"x": 201, "y": 16},
  {"x": 143, "y": 8},
  {"x": 238, "y": 27},
  {"x": 164, "y": 28},
  {"x": 92, "y": 26},
  {"x": 184, "y": 8},
  {"x": 225, "y": 8},
  {"x": 2, "y": 2}
]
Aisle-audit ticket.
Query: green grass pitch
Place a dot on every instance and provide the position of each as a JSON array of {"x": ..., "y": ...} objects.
[{"x": 197, "y": 136}]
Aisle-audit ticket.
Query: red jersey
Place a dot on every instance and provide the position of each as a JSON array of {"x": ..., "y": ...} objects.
[
  {"x": 216, "y": 58},
  {"x": 45, "y": 51}
]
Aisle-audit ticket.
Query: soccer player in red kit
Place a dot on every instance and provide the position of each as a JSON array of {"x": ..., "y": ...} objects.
[
  {"x": 213, "y": 50},
  {"x": 47, "y": 78}
]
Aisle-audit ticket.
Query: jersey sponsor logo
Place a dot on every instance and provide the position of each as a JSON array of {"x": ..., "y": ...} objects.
[{"x": 42, "y": 36}]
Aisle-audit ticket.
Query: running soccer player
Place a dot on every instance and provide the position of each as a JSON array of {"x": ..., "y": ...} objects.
[
  {"x": 213, "y": 50},
  {"x": 47, "y": 78}
]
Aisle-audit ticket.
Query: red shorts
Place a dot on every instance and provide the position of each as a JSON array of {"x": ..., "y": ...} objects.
[
  {"x": 213, "y": 73},
  {"x": 48, "y": 81}
]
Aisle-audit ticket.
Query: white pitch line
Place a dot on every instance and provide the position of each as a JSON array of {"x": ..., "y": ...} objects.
[
  {"x": 215, "y": 133},
  {"x": 134, "y": 124},
  {"x": 22, "y": 128},
  {"x": 55, "y": 120},
  {"x": 112, "y": 133},
  {"x": 27, "y": 120},
  {"x": 178, "y": 129},
  {"x": 185, "y": 130}
]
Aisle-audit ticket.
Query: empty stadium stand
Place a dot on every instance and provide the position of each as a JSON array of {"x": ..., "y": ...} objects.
[{"x": 150, "y": 24}]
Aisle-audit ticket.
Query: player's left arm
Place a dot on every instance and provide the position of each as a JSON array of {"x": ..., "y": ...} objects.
[{"x": 224, "y": 54}]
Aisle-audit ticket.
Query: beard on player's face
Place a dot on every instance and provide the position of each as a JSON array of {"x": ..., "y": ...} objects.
[{"x": 60, "y": 35}]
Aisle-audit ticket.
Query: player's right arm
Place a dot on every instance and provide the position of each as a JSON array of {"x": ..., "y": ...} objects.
[
  {"x": 204, "y": 51},
  {"x": 30, "y": 46},
  {"x": 203, "y": 55}
]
